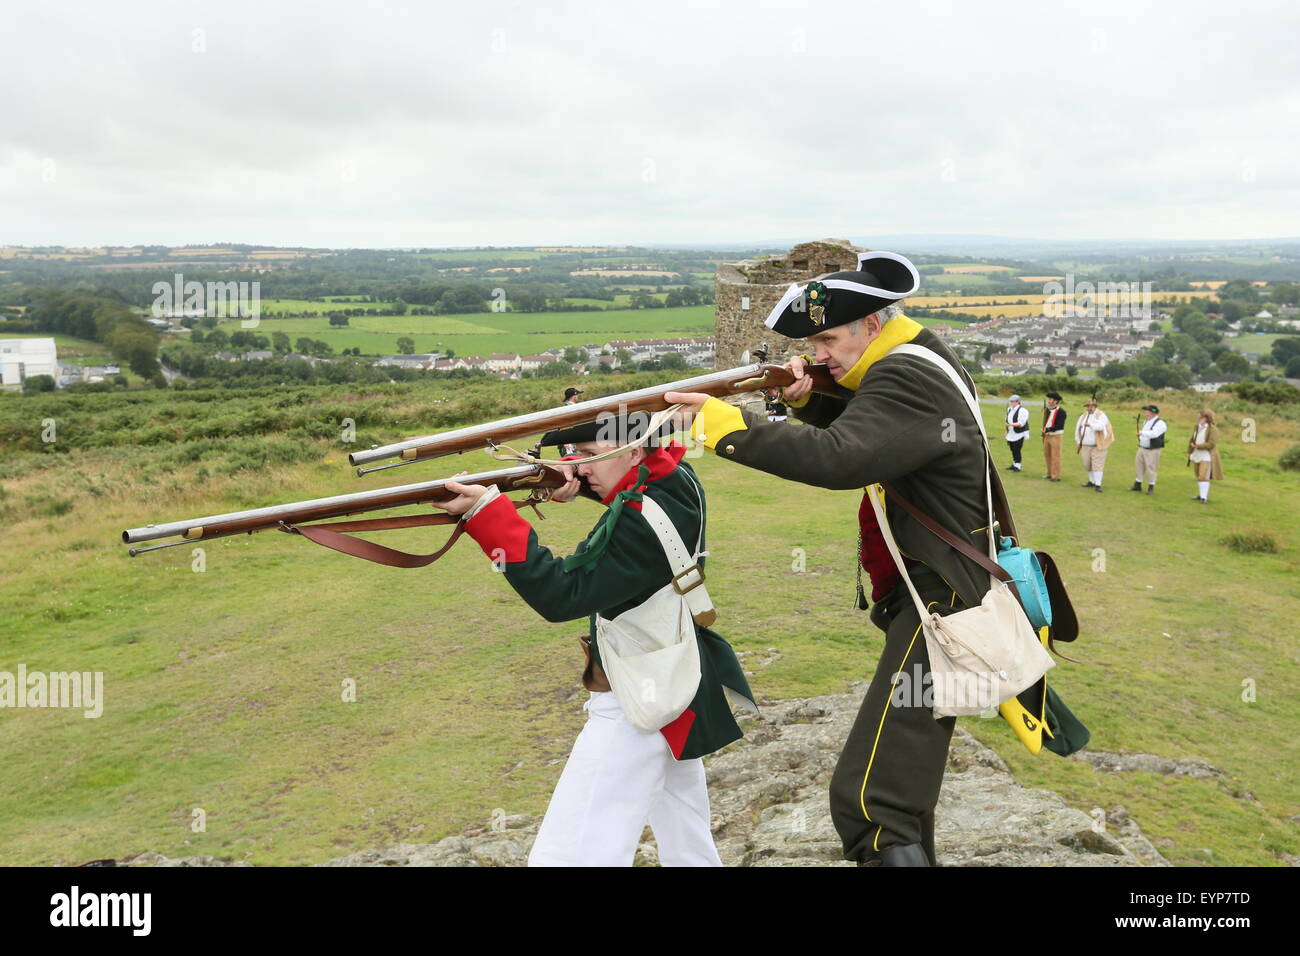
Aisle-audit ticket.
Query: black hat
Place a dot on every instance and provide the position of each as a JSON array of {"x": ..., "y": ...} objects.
[
  {"x": 616, "y": 428},
  {"x": 1151, "y": 408},
  {"x": 570, "y": 392},
  {"x": 1054, "y": 396},
  {"x": 881, "y": 279}
]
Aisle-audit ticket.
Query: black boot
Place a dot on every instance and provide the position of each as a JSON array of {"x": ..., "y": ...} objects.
[
  {"x": 1137, "y": 486},
  {"x": 910, "y": 855},
  {"x": 927, "y": 837}
]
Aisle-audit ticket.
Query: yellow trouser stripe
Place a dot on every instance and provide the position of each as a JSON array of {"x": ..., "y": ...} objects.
[{"x": 862, "y": 794}]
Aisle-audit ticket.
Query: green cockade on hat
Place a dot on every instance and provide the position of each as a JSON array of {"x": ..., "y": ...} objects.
[{"x": 818, "y": 298}]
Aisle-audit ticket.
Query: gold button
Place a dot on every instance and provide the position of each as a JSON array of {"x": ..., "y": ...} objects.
[{"x": 731, "y": 449}]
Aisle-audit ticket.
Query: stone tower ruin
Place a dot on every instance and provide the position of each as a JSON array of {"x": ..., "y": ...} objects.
[{"x": 745, "y": 292}]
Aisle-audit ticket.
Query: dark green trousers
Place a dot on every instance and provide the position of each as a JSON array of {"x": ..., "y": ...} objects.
[{"x": 886, "y": 784}]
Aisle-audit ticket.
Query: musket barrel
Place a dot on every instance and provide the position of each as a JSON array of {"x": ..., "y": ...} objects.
[
  {"x": 339, "y": 505},
  {"x": 546, "y": 420}
]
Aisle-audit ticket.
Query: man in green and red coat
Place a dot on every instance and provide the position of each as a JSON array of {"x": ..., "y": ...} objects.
[{"x": 618, "y": 778}]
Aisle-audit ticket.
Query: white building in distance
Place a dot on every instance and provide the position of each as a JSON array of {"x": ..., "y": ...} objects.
[{"x": 22, "y": 358}]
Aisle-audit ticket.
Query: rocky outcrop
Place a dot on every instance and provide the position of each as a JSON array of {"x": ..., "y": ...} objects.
[
  {"x": 1113, "y": 763},
  {"x": 769, "y": 803}
]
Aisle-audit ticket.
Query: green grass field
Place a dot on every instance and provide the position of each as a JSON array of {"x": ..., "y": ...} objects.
[
  {"x": 488, "y": 332},
  {"x": 270, "y": 307},
  {"x": 471, "y": 256},
  {"x": 224, "y": 688},
  {"x": 1257, "y": 344}
]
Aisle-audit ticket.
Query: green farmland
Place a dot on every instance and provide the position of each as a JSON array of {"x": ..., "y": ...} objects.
[{"x": 485, "y": 333}]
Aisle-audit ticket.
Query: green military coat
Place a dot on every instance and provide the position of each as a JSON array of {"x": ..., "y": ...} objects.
[{"x": 617, "y": 567}]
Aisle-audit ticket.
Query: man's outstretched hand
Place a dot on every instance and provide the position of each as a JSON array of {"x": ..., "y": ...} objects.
[{"x": 466, "y": 496}]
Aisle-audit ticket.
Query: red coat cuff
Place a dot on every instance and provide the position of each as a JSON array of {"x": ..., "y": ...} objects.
[{"x": 500, "y": 531}]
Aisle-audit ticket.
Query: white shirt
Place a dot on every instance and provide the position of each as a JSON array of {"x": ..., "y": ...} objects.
[
  {"x": 1018, "y": 416},
  {"x": 1151, "y": 428},
  {"x": 1089, "y": 427},
  {"x": 1200, "y": 454}
]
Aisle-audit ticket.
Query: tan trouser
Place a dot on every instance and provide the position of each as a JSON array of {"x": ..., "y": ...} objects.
[
  {"x": 1148, "y": 461},
  {"x": 1052, "y": 453},
  {"x": 1203, "y": 469},
  {"x": 1094, "y": 458}
]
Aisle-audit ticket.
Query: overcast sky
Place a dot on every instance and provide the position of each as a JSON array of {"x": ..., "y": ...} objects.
[{"x": 489, "y": 123}]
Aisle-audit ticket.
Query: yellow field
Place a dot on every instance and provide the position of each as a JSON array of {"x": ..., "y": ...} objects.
[
  {"x": 1041, "y": 278},
  {"x": 989, "y": 311},
  {"x": 961, "y": 301},
  {"x": 1015, "y": 306},
  {"x": 976, "y": 269},
  {"x": 1183, "y": 296}
]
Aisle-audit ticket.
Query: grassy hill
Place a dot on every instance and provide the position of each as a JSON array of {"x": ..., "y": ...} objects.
[{"x": 224, "y": 687}]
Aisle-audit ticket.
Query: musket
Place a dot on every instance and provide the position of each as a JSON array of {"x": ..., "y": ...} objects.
[
  {"x": 295, "y": 517},
  {"x": 1084, "y": 427},
  {"x": 732, "y": 381}
]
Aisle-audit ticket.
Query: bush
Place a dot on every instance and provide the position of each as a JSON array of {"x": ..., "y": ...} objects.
[
  {"x": 1278, "y": 394},
  {"x": 1289, "y": 460},
  {"x": 1251, "y": 542}
]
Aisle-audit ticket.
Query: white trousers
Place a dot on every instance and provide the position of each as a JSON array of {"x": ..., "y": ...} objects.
[{"x": 617, "y": 780}]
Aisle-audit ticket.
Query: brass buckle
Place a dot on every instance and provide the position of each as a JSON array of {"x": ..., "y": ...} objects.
[{"x": 677, "y": 577}]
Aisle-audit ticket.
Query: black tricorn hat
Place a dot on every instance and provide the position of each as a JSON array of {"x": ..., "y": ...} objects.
[
  {"x": 1054, "y": 396},
  {"x": 880, "y": 280},
  {"x": 620, "y": 429}
]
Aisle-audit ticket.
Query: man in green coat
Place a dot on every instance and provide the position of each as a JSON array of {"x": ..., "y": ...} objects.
[
  {"x": 618, "y": 778},
  {"x": 897, "y": 419}
]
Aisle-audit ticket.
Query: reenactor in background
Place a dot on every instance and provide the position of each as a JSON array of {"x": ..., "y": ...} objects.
[
  {"x": 570, "y": 398},
  {"x": 776, "y": 411},
  {"x": 1094, "y": 436},
  {"x": 1151, "y": 438},
  {"x": 1203, "y": 455},
  {"x": 1053, "y": 427},
  {"x": 1017, "y": 429}
]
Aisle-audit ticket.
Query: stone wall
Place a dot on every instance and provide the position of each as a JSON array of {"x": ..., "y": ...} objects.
[{"x": 745, "y": 293}]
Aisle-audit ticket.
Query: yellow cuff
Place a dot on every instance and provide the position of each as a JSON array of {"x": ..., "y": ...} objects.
[{"x": 715, "y": 421}]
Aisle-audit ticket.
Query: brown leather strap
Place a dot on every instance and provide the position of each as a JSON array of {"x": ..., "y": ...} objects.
[
  {"x": 329, "y": 535},
  {"x": 964, "y": 547},
  {"x": 368, "y": 550}
]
